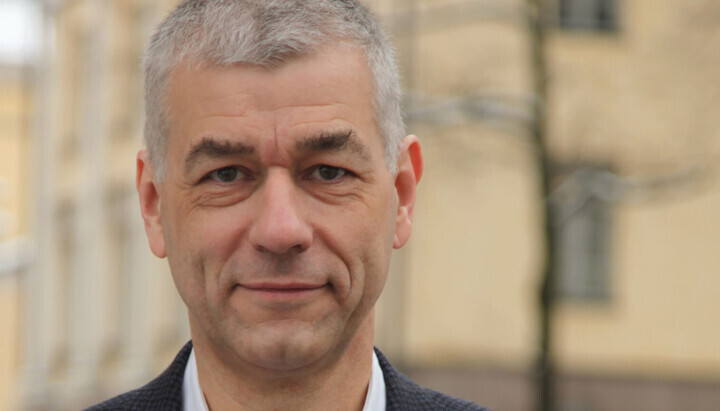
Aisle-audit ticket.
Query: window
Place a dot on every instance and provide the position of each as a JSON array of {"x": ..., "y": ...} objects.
[
  {"x": 583, "y": 232},
  {"x": 595, "y": 15}
]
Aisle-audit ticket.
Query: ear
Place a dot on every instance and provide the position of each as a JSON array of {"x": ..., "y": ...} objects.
[
  {"x": 148, "y": 191},
  {"x": 410, "y": 168}
]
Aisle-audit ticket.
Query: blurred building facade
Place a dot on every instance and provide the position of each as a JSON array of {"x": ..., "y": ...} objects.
[
  {"x": 15, "y": 252},
  {"x": 633, "y": 137}
]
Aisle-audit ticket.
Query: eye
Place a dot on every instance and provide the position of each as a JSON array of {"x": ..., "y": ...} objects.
[
  {"x": 328, "y": 173},
  {"x": 226, "y": 174}
]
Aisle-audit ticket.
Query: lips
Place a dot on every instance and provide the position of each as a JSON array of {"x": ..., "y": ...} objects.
[
  {"x": 277, "y": 287},
  {"x": 281, "y": 296}
]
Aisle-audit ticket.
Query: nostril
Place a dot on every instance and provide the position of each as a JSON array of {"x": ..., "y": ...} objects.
[
  {"x": 296, "y": 249},
  {"x": 281, "y": 242},
  {"x": 299, "y": 248}
]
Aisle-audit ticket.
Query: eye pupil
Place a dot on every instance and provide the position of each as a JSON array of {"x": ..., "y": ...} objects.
[
  {"x": 329, "y": 173},
  {"x": 227, "y": 174}
]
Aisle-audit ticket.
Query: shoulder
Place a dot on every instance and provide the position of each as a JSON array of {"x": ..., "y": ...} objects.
[
  {"x": 162, "y": 393},
  {"x": 403, "y": 394}
]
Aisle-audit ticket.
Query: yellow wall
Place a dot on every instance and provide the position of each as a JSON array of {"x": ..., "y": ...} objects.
[
  {"x": 14, "y": 101},
  {"x": 661, "y": 320},
  {"x": 642, "y": 100},
  {"x": 14, "y": 123},
  {"x": 9, "y": 344}
]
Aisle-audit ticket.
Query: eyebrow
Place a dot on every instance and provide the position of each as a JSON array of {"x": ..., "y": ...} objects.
[
  {"x": 334, "y": 141},
  {"x": 213, "y": 147}
]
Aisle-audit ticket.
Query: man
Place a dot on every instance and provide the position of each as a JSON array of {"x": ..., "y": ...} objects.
[{"x": 276, "y": 181}]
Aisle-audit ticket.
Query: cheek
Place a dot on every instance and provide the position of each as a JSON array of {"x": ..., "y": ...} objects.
[
  {"x": 373, "y": 241},
  {"x": 385, "y": 231},
  {"x": 217, "y": 234},
  {"x": 209, "y": 233},
  {"x": 198, "y": 243},
  {"x": 215, "y": 240}
]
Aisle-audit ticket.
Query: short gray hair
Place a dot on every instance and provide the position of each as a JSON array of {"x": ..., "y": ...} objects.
[{"x": 266, "y": 33}]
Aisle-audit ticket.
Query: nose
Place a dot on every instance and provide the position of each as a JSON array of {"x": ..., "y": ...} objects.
[{"x": 279, "y": 227}]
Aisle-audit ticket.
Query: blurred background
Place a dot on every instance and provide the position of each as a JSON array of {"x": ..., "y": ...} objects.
[{"x": 566, "y": 250}]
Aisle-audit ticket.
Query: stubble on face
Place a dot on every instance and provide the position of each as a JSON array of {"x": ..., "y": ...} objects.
[{"x": 218, "y": 263}]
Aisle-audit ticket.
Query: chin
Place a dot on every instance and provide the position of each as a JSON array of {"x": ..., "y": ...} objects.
[{"x": 287, "y": 347}]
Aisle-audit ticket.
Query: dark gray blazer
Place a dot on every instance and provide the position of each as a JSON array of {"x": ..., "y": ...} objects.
[{"x": 164, "y": 393}]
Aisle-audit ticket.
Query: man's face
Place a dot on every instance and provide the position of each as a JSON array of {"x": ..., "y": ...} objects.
[{"x": 278, "y": 213}]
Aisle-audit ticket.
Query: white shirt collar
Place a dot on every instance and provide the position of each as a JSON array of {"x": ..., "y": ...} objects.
[
  {"x": 375, "y": 398},
  {"x": 194, "y": 400}
]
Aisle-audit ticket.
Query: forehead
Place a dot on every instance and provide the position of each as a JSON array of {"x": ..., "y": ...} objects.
[{"x": 331, "y": 88}]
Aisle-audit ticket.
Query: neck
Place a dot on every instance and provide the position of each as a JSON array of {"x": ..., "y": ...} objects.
[{"x": 341, "y": 383}]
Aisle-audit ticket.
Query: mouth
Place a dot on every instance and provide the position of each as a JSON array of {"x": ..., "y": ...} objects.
[
  {"x": 282, "y": 292},
  {"x": 289, "y": 287}
]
